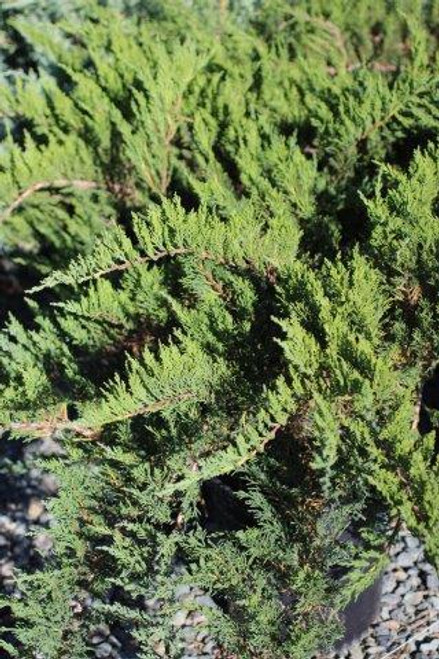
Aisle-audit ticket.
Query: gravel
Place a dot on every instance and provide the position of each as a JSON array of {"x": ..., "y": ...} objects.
[
  {"x": 24, "y": 542},
  {"x": 405, "y": 627}
]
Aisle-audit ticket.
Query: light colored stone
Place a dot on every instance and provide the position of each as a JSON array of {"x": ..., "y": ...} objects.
[
  {"x": 179, "y": 619},
  {"x": 206, "y": 600},
  {"x": 400, "y": 575},
  {"x": 35, "y": 509},
  {"x": 433, "y": 582},
  {"x": 391, "y": 600},
  {"x": 393, "y": 625},
  {"x": 7, "y": 569},
  {"x": 356, "y": 652},
  {"x": 412, "y": 542},
  {"x": 384, "y": 613},
  {"x": 209, "y": 647},
  {"x": 389, "y": 584},
  {"x": 103, "y": 651},
  {"x": 96, "y": 639},
  {"x": 49, "y": 484},
  {"x": 182, "y": 592},
  {"x": 408, "y": 558},
  {"x": 430, "y": 646},
  {"x": 43, "y": 542},
  {"x": 114, "y": 642},
  {"x": 429, "y": 569},
  {"x": 413, "y": 582},
  {"x": 160, "y": 649},
  {"x": 197, "y": 618},
  {"x": 7, "y": 526}
]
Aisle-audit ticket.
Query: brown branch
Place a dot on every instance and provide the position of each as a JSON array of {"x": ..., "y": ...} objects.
[
  {"x": 159, "y": 405},
  {"x": 169, "y": 136},
  {"x": 261, "y": 446},
  {"x": 79, "y": 184},
  {"x": 125, "y": 265},
  {"x": 49, "y": 427},
  {"x": 215, "y": 285}
]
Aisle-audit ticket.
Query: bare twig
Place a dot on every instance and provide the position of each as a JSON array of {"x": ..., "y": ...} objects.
[
  {"x": 86, "y": 432},
  {"x": 216, "y": 286},
  {"x": 125, "y": 265},
  {"x": 79, "y": 184},
  {"x": 50, "y": 427},
  {"x": 169, "y": 136},
  {"x": 159, "y": 405},
  {"x": 273, "y": 431}
]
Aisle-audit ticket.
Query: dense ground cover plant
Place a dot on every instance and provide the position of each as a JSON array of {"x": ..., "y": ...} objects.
[{"x": 228, "y": 216}]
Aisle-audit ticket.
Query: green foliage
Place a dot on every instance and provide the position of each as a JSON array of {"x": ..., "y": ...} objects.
[{"x": 225, "y": 219}]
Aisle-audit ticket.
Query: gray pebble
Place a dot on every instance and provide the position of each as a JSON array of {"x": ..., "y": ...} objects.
[
  {"x": 7, "y": 569},
  {"x": 189, "y": 634},
  {"x": 49, "y": 484},
  {"x": 99, "y": 634},
  {"x": 182, "y": 592},
  {"x": 408, "y": 558},
  {"x": 152, "y": 604},
  {"x": 429, "y": 569},
  {"x": 398, "y": 615},
  {"x": 45, "y": 447},
  {"x": 35, "y": 509},
  {"x": 7, "y": 526},
  {"x": 356, "y": 652},
  {"x": 411, "y": 542},
  {"x": 160, "y": 649},
  {"x": 433, "y": 582},
  {"x": 20, "y": 530},
  {"x": 197, "y": 619},
  {"x": 431, "y": 646},
  {"x": 103, "y": 651},
  {"x": 179, "y": 619},
  {"x": 385, "y": 613},
  {"x": 383, "y": 640},
  {"x": 43, "y": 542},
  {"x": 399, "y": 575},
  {"x": 391, "y": 600},
  {"x": 45, "y": 519},
  {"x": 114, "y": 642},
  {"x": 96, "y": 639},
  {"x": 210, "y": 647},
  {"x": 389, "y": 584},
  {"x": 413, "y": 582},
  {"x": 206, "y": 600}
]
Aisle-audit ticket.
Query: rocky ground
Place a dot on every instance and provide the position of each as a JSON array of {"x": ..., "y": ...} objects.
[
  {"x": 408, "y": 623},
  {"x": 405, "y": 629}
]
